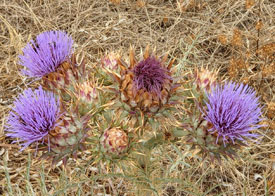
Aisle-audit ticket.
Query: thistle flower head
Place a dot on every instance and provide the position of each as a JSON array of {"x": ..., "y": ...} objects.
[
  {"x": 44, "y": 54},
  {"x": 144, "y": 85},
  {"x": 150, "y": 75},
  {"x": 34, "y": 114},
  {"x": 234, "y": 111}
]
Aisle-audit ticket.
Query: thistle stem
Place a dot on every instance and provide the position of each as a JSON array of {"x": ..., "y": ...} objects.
[{"x": 109, "y": 179}]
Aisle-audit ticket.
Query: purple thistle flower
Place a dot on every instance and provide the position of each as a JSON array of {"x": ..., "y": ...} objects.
[
  {"x": 233, "y": 111},
  {"x": 44, "y": 54},
  {"x": 34, "y": 114},
  {"x": 150, "y": 75}
]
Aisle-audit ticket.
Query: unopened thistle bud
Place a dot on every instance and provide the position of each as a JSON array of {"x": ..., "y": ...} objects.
[
  {"x": 87, "y": 92},
  {"x": 114, "y": 142},
  {"x": 68, "y": 138},
  {"x": 110, "y": 61},
  {"x": 87, "y": 97},
  {"x": 205, "y": 79}
]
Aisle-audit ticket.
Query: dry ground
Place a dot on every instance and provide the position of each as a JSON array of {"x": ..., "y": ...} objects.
[{"x": 236, "y": 36}]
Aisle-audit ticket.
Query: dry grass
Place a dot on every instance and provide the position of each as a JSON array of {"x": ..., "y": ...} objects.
[{"x": 236, "y": 36}]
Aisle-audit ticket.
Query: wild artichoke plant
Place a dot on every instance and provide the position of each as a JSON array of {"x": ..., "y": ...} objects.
[{"x": 128, "y": 114}]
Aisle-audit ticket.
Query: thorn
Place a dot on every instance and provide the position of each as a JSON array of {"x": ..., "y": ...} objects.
[
  {"x": 164, "y": 59},
  {"x": 170, "y": 64},
  {"x": 146, "y": 52},
  {"x": 122, "y": 64},
  {"x": 132, "y": 58}
]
